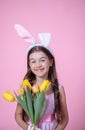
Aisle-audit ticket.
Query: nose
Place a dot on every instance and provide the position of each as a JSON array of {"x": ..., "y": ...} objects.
[{"x": 38, "y": 64}]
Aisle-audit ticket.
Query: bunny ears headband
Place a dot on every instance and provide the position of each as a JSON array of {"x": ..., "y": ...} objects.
[{"x": 44, "y": 38}]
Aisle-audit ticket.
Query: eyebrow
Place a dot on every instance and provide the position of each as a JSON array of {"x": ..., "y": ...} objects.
[{"x": 40, "y": 58}]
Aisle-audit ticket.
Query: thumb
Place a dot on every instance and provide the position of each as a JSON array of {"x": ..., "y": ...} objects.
[
  {"x": 36, "y": 128},
  {"x": 31, "y": 127}
]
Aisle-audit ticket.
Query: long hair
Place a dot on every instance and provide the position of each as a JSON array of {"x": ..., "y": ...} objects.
[{"x": 52, "y": 75}]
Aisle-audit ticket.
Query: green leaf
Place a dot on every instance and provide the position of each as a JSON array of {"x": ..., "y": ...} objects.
[
  {"x": 29, "y": 103},
  {"x": 22, "y": 101},
  {"x": 39, "y": 106}
]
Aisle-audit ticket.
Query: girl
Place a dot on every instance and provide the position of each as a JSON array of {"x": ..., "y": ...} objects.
[{"x": 41, "y": 66}]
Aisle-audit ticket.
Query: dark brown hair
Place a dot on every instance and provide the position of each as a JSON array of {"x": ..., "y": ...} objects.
[{"x": 52, "y": 75}]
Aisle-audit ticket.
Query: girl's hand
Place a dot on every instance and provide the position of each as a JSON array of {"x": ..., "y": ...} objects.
[
  {"x": 36, "y": 128},
  {"x": 32, "y": 127}
]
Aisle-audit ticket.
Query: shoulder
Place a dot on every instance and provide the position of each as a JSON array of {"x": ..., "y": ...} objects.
[
  {"x": 61, "y": 87},
  {"x": 62, "y": 93}
]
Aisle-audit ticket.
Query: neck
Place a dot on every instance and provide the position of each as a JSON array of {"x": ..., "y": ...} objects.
[{"x": 39, "y": 80}]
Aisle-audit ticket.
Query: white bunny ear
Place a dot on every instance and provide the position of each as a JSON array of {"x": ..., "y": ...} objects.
[
  {"x": 23, "y": 33},
  {"x": 44, "y": 38}
]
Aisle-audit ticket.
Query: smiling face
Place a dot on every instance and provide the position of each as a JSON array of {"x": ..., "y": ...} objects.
[{"x": 39, "y": 64}]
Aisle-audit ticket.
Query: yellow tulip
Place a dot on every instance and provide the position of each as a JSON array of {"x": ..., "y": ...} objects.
[
  {"x": 44, "y": 85},
  {"x": 20, "y": 91},
  {"x": 26, "y": 83},
  {"x": 35, "y": 88},
  {"x": 9, "y": 96}
]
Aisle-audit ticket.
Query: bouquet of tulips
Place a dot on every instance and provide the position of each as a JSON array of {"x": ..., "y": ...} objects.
[{"x": 31, "y": 98}]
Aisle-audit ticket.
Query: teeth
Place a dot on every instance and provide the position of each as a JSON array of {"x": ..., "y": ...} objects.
[{"x": 38, "y": 69}]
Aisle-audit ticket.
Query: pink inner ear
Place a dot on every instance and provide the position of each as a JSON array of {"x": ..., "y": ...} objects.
[{"x": 27, "y": 37}]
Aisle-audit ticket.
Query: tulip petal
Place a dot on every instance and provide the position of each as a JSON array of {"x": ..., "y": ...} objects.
[
  {"x": 35, "y": 88},
  {"x": 26, "y": 83},
  {"x": 9, "y": 96}
]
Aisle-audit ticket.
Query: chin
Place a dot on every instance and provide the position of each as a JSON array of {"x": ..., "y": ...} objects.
[{"x": 41, "y": 75}]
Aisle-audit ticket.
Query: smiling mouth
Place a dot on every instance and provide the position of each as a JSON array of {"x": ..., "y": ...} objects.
[{"x": 39, "y": 69}]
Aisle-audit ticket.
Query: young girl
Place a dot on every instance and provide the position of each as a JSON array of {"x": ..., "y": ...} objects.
[{"x": 41, "y": 66}]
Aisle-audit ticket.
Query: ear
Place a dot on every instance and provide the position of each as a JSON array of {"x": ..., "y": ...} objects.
[
  {"x": 25, "y": 34},
  {"x": 51, "y": 62},
  {"x": 44, "y": 38}
]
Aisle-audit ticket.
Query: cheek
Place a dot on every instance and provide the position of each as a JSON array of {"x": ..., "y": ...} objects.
[
  {"x": 47, "y": 65},
  {"x": 31, "y": 66}
]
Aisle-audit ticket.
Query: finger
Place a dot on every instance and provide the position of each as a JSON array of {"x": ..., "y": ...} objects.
[
  {"x": 29, "y": 127},
  {"x": 36, "y": 128},
  {"x": 32, "y": 127}
]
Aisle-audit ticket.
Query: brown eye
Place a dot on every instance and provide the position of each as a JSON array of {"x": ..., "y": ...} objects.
[
  {"x": 32, "y": 61},
  {"x": 43, "y": 60}
]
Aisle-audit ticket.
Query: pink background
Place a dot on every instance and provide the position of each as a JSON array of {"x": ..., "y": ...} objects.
[{"x": 65, "y": 19}]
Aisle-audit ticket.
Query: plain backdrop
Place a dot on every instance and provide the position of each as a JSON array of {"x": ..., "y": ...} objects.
[{"x": 65, "y": 20}]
